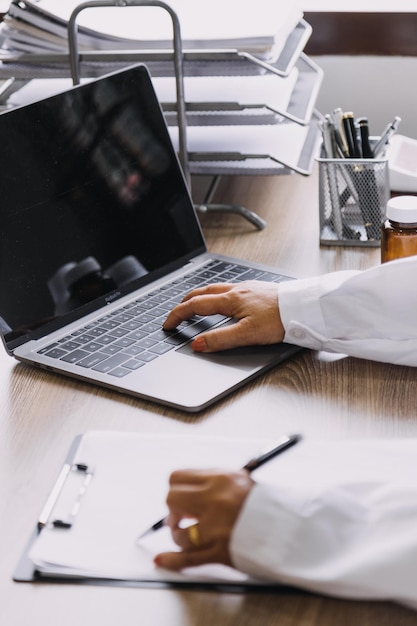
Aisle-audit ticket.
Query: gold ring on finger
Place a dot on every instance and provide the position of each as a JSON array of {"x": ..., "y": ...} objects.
[{"x": 194, "y": 535}]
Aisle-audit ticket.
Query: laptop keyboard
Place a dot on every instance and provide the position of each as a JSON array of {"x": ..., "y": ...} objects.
[{"x": 127, "y": 338}]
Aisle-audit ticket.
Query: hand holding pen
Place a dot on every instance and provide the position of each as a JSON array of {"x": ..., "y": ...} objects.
[{"x": 211, "y": 501}]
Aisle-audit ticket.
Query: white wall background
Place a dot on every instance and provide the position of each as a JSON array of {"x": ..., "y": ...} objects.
[{"x": 378, "y": 87}]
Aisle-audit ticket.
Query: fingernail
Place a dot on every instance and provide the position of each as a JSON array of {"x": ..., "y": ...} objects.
[
  {"x": 199, "y": 344},
  {"x": 158, "y": 561}
]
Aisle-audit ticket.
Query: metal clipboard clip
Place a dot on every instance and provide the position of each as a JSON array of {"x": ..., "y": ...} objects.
[{"x": 64, "y": 501}]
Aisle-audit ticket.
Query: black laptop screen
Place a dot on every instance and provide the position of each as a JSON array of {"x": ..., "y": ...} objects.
[{"x": 92, "y": 201}]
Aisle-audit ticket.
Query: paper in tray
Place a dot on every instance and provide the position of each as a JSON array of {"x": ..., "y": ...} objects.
[
  {"x": 261, "y": 30},
  {"x": 290, "y": 145}
]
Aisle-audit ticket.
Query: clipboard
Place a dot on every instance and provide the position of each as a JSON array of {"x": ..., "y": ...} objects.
[
  {"x": 76, "y": 500},
  {"x": 365, "y": 461}
]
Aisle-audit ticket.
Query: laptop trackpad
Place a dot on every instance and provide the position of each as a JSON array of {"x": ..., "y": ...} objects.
[{"x": 246, "y": 358}]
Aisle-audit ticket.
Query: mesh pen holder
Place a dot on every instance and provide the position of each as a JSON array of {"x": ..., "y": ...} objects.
[{"x": 353, "y": 194}]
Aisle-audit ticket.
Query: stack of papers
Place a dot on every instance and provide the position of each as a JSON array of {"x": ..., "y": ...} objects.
[
  {"x": 41, "y": 25},
  {"x": 243, "y": 68}
]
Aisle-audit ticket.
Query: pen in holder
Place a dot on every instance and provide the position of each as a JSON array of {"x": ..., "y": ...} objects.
[{"x": 353, "y": 194}]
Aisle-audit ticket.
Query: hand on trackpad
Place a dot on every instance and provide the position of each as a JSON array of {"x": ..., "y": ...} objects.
[{"x": 245, "y": 358}]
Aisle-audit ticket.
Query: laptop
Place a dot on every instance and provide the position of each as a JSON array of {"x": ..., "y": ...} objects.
[{"x": 100, "y": 239}]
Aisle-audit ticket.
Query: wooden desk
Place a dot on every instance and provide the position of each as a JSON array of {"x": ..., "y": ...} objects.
[{"x": 317, "y": 394}]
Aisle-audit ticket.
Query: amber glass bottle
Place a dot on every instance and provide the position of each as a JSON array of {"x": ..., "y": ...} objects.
[{"x": 399, "y": 231}]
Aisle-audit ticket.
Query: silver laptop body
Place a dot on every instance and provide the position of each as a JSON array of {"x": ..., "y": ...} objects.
[{"x": 100, "y": 240}]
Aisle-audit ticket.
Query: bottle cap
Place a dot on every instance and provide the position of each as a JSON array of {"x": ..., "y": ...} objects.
[{"x": 402, "y": 209}]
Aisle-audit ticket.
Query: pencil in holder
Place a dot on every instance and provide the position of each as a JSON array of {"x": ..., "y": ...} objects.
[{"x": 353, "y": 194}]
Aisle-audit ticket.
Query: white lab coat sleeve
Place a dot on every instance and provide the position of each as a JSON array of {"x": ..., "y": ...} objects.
[
  {"x": 370, "y": 314},
  {"x": 349, "y": 540}
]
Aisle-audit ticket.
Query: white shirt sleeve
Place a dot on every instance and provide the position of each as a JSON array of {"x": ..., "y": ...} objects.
[
  {"x": 370, "y": 314},
  {"x": 350, "y": 540}
]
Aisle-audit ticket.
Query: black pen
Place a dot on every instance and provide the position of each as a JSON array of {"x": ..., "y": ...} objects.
[
  {"x": 263, "y": 457},
  {"x": 350, "y": 133},
  {"x": 367, "y": 152}
]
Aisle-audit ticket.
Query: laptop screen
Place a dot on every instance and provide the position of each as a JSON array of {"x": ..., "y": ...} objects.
[{"x": 93, "y": 202}]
